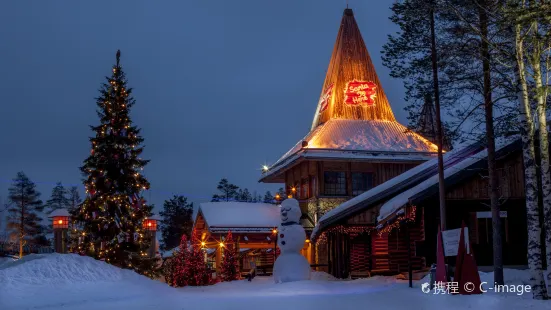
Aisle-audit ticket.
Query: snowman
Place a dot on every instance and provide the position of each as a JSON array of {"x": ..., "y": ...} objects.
[{"x": 291, "y": 265}]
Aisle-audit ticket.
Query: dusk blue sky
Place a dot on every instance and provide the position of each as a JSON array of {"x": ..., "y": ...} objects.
[{"x": 221, "y": 86}]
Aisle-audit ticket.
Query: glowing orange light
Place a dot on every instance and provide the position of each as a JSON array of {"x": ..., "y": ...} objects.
[
  {"x": 290, "y": 196},
  {"x": 60, "y": 222},
  {"x": 221, "y": 244},
  {"x": 277, "y": 196},
  {"x": 294, "y": 189},
  {"x": 307, "y": 240},
  {"x": 149, "y": 224},
  {"x": 203, "y": 243},
  {"x": 274, "y": 231}
]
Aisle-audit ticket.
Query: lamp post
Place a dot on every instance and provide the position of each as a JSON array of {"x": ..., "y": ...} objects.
[
  {"x": 60, "y": 222},
  {"x": 274, "y": 231},
  {"x": 150, "y": 225}
]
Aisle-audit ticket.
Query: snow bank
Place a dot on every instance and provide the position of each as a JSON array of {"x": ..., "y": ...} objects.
[{"x": 54, "y": 269}]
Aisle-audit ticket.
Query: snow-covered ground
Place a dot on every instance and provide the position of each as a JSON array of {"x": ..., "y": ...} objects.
[{"x": 53, "y": 281}]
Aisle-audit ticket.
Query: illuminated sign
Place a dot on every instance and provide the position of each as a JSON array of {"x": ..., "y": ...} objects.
[
  {"x": 360, "y": 92},
  {"x": 324, "y": 100}
]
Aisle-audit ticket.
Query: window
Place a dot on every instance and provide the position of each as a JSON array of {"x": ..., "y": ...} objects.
[
  {"x": 335, "y": 183},
  {"x": 361, "y": 182}
]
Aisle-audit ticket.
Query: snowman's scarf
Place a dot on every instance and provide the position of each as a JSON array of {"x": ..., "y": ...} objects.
[{"x": 289, "y": 223}]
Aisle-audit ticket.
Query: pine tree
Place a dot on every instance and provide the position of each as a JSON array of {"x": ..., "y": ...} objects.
[
  {"x": 244, "y": 195},
  {"x": 189, "y": 267},
  {"x": 113, "y": 212},
  {"x": 268, "y": 197},
  {"x": 58, "y": 199},
  {"x": 74, "y": 200},
  {"x": 23, "y": 203},
  {"x": 228, "y": 191},
  {"x": 175, "y": 272},
  {"x": 230, "y": 266},
  {"x": 177, "y": 221},
  {"x": 75, "y": 229}
]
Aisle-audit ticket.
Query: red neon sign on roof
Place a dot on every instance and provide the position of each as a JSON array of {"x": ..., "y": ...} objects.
[{"x": 360, "y": 92}]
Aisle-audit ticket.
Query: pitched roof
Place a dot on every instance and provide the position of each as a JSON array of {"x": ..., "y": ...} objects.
[
  {"x": 426, "y": 125},
  {"x": 393, "y": 187},
  {"x": 452, "y": 175},
  {"x": 359, "y": 139},
  {"x": 353, "y": 114},
  {"x": 237, "y": 216},
  {"x": 415, "y": 184},
  {"x": 350, "y": 61}
]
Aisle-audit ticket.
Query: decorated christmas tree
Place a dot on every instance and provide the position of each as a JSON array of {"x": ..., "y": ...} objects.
[
  {"x": 188, "y": 265},
  {"x": 230, "y": 266},
  {"x": 112, "y": 214},
  {"x": 175, "y": 266}
]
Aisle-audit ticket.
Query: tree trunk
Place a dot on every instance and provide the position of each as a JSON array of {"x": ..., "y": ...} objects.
[
  {"x": 526, "y": 127},
  {"x": 439, "y": 134},
  {"x": 544, "y": 142},
  {"x": 490, "y": 141}
]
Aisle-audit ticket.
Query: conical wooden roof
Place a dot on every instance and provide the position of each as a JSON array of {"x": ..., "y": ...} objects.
[{"x": 351, "y": 89}]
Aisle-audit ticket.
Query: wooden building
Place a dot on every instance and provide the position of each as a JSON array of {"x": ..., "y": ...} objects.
[
  {"x": 402, "y": 215},
  {"x": 254, "y": 232},
  {"x": 355, "y": 142}
]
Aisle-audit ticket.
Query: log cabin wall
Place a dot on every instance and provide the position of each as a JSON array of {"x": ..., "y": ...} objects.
[
  {"x": 510, "y": 177},
  {"x": 398, "y": 247},
  {"x": 307, "y": 178},
  {"x": 468, "y": 201}
]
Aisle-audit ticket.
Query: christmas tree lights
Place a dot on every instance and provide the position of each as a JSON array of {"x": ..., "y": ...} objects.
[
  {"x": 230, "y": 266},
  {"x": 110, "y": 219}
]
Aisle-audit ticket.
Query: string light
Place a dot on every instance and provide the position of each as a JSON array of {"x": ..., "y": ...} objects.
[{"x": 347, "y": 230}]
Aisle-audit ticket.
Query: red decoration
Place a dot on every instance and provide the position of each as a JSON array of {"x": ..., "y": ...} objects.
[
  {"x": 467, "y": 276},
  {"x": 324, "y": 100},
  {"x": 460, "y": 255},
  {"x": 188, "y": 265},
  {"x": 230, "y": 265},
  {"x": 440, "y": 261},
  {"x": 360, "y": 92}
]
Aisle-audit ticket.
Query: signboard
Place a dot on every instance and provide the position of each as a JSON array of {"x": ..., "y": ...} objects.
[
  {"x": 360, "y": 92},
  {"x": 450, "y": 239},
  {"x": 488, "y": 214},
  {"x": 325, "y": 98}
]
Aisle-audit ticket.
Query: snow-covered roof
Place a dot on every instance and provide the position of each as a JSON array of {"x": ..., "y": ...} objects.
[
  {"x": 398, "y": 202},
  {"x": 59, "y": 212},
  {"x": 248, "y": 216},
  {"x": 359, "y": 139},
  {"x": 395, "y": 185}
]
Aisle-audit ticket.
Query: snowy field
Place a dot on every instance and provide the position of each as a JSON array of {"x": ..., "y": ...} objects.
[{"x": 54, "y": 281}]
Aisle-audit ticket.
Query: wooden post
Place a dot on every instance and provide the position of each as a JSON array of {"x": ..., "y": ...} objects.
[
  {"x": 152, "y": 243},
  {"x": 60, "y": 240},
  {"x": 410, "y": 271}
]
